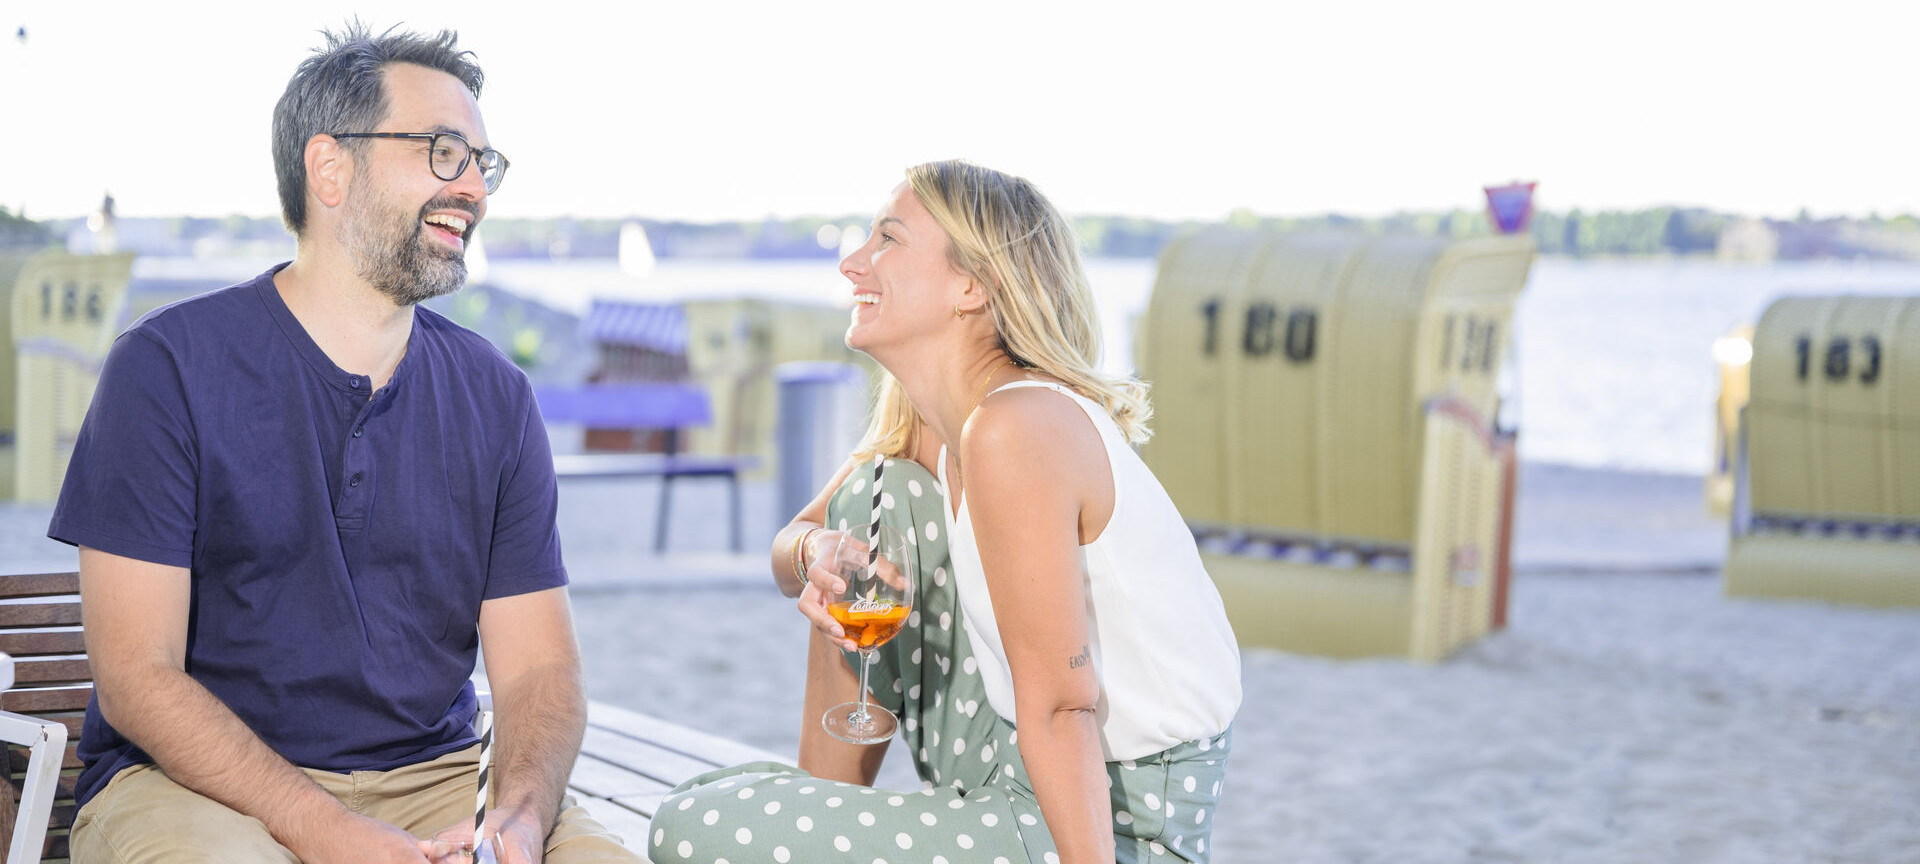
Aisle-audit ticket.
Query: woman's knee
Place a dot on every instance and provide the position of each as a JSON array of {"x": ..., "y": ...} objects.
[{"x": 708, "y": 811}]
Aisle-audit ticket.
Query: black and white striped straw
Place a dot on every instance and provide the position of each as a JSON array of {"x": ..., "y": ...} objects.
[
  {"x": 873, "y": 525},
  {"x": 486, "y": 776}
]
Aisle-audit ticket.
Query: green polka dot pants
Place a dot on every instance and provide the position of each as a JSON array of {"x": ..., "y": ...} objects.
[{"x": 976, "y": 805}]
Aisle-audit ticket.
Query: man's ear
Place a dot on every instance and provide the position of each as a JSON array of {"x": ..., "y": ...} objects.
[{"x": 329, "y": 170}]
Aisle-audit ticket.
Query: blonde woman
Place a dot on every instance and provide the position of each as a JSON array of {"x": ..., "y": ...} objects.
[{"x": 1108, "y": 670}]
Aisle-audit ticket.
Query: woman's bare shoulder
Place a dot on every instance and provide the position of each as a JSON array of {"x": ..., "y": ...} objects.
[{"x": 1030, "y": 429}]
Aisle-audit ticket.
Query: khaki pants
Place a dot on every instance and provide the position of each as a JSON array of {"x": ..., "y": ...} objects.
[{"x": 143, "y": 817}]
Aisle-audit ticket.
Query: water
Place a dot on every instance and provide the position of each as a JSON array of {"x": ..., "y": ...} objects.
[
  {"x": 1615, "y": 363},
  {"x": 1615, "y": 356},
  {"x": 1615, "y": 369}
]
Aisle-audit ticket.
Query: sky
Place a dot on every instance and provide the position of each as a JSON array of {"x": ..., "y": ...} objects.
[{"x": 705, "y": 110}]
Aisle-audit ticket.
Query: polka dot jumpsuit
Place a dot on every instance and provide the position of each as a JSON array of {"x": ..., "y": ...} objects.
[{"x": 975, "y": 804}]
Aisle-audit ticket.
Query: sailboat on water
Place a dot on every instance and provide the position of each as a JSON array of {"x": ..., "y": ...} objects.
[{"x": 636, "y": 254}]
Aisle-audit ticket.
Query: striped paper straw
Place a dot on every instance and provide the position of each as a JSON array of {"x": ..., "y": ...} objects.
[
  {"x": 873, "y": 525},
  {"x": 486, "y": 760}
]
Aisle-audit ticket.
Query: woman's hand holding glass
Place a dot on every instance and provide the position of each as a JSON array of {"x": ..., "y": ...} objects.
[
  {"x": 831, "y": 556},
  {"x": 865, "y": 585}
]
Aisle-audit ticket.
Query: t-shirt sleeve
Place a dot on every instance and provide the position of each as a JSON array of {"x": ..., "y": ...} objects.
[
  {"x": 526, "y": 536},
  {"x": 133, "y": 477}
]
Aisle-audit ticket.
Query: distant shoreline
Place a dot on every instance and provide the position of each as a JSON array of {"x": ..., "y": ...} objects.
[{"x": 1654, "y": 233}]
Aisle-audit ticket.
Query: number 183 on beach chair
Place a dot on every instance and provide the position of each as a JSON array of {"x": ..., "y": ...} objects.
[{"x": 1826, "y": 468}]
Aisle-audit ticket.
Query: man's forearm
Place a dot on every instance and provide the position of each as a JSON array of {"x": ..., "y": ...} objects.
[
  {"x": 540, "y": 719},
  {"x": 202, "y": 745}
]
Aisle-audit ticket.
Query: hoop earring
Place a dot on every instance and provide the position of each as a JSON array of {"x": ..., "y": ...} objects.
[{"x": 957, "y": 313}]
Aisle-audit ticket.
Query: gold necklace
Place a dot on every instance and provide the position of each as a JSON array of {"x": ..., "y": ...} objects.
[
  {"x": 977, "y": 396},
  {"x": 982, "y": 392}
]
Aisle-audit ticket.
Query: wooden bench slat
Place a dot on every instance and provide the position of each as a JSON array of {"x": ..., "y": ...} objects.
[
  {"x": 647, "y": 804},
  {"x": 18, "y": 757},
  {"x": 51, "y": 670},
  {"x": 713, "y": 748},
  {"x": 63, "y": 788},
  {"x": 59, "y": 821},
  {"x": 39, "y": 614},
  {"x": 629, "y": 826},
  {"x": 36, "y": 700},
  {"x": 39, "y": 584},
  {"x": 31, "y": 643},
  {"x": 600, "y": 778},
  {"x": 69, "y": 719},
  {"x": 55, "y": 847},
  {"x": 644, "y": 757}
]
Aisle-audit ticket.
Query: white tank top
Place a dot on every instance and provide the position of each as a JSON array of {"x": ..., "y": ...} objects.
[{"x": 1166, "y": 659}]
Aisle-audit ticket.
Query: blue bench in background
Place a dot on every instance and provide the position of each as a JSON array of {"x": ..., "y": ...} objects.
[{"x": 666, "y": 406}]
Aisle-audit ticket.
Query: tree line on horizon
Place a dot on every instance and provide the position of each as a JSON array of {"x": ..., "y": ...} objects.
[{"x": 1651, "y": 232}]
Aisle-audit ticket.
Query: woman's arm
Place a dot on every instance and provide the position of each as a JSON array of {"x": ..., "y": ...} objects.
[
  {"x": 811, "y": 516},
  {"x": 829, "y": 678},
  {"x": 1031, "y": 464},
  {"x": 831, "y": 681}
]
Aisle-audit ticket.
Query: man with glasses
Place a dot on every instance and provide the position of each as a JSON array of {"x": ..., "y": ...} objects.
[{"x": 302, "y": 504}]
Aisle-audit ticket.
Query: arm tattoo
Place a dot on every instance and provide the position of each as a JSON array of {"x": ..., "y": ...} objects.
[{"x": 1080, "y": 659}]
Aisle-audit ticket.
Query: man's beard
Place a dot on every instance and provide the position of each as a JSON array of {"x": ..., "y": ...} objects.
[{"x": 389, "y": 252}]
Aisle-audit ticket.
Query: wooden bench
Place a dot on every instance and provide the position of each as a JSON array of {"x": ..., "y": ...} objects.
[
  {"x": 628, "y": 761},
  {"x": 666, "y": 406},
  {"x": 40, "y": 630}
]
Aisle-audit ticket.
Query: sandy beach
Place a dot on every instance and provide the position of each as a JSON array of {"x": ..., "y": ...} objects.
[{"x": 1630, "y": 713}]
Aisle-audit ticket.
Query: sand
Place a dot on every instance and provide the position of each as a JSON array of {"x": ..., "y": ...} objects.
[{"x": 1630, "y": 713}]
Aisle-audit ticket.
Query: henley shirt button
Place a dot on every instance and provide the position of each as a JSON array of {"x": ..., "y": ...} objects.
[
  {"x": 354, "y": 383},
  {"x": 358, "y": 431},
  {"x": 354, "y": 481}
]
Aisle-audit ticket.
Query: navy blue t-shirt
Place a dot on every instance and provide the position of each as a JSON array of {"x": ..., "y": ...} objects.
[{"x": 339, "y": 546}]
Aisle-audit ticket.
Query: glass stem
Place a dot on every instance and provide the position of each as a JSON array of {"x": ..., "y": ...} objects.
[{"x": 861, "y": 717}]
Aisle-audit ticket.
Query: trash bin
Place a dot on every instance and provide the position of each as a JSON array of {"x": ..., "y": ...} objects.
[{"x": 823, "y": 411}]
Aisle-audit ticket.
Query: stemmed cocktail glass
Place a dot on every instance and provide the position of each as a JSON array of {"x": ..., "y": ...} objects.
[{"x": 876, "y": 565}]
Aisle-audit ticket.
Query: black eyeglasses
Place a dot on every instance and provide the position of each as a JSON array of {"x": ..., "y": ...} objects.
[{"x": 448, "y": 155}]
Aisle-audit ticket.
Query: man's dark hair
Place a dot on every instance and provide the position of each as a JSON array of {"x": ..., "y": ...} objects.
[{"x": 341, "y": 89}]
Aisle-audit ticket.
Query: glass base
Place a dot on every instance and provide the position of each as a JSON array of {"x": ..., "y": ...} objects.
[{"x": 860, "y": 723}]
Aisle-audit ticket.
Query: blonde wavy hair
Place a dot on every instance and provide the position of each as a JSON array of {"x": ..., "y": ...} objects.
[{"x": 1004, "y": 235}]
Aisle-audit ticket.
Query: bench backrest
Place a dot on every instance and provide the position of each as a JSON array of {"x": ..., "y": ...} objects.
[{"x": 40, "y": 628}]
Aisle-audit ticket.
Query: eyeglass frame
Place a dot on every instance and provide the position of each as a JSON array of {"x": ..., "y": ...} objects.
[{"x": 430, "y": 137}]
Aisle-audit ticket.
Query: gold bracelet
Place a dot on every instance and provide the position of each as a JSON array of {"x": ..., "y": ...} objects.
[{"x": 800, "y": 555}]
